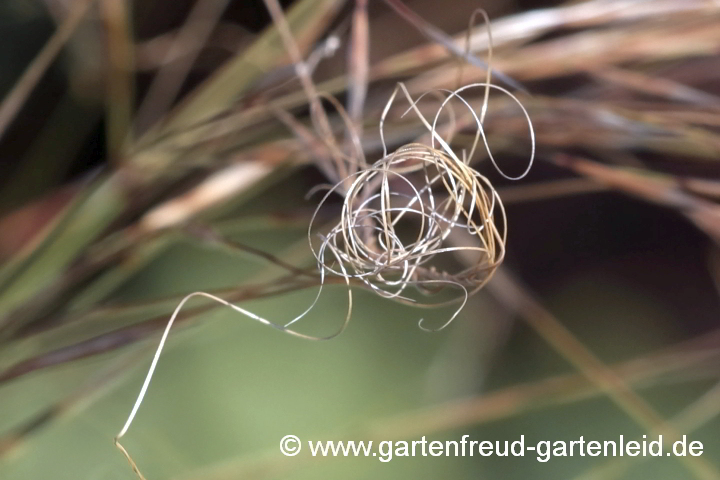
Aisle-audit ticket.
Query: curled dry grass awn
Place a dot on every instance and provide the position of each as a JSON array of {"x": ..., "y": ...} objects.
[{"x": 396, "y": 215}]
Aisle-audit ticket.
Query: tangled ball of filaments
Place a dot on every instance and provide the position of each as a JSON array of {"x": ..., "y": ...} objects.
[
  {"x": 398, "y": 214},
  {"x": 392, "y": 226}
]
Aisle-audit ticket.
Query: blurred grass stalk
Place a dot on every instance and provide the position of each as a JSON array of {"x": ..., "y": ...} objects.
[{"x": 35, "y": 268}]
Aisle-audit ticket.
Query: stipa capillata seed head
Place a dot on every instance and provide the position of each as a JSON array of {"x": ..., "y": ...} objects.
[
  {"x": 397, "y": 216},
  {"x": 398, "y": 213},
  {"x": 391, "y": 228}
]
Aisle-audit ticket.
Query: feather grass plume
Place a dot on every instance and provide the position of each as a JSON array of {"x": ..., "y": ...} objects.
[{"x": 432, "y": 189}]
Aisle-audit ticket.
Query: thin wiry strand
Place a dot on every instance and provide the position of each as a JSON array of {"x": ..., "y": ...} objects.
[
  {"x": 396, "y": 213},
  {"x": 282, "y": 327}
]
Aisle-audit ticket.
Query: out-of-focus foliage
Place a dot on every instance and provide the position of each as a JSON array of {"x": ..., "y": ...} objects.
[{"x": 114, "y": 207}]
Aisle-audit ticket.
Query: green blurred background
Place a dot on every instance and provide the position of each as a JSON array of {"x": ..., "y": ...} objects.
[{"x": 632, "y": 277}]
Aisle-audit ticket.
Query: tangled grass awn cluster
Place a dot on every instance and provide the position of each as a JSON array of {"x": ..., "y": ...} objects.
[
  {"x": 431, "y": 191},
  {"x": 395, "y": 218}
]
